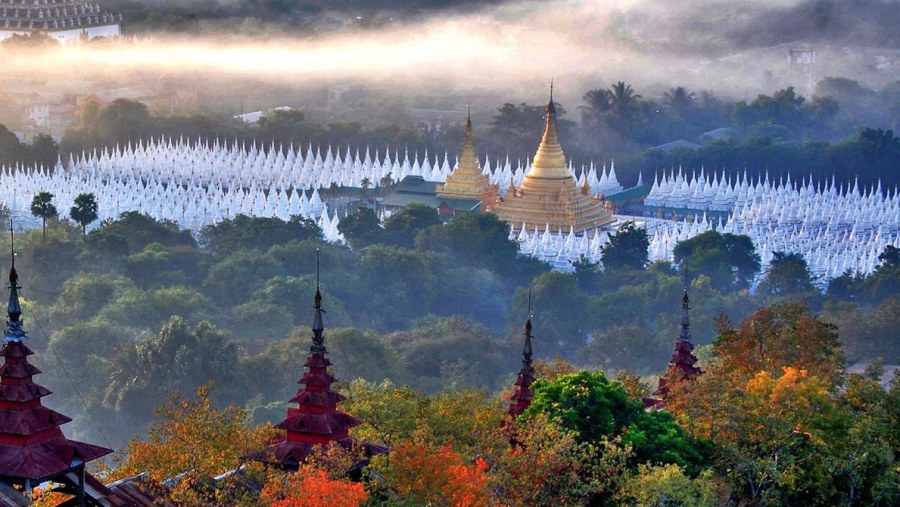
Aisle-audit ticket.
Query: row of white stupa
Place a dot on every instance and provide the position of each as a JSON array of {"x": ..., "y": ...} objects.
[
  {"x": 197, "y": 184},
  {"x": 724, "y": 193},
  {"x": 237, "y": 166},
  {"x": 836, "y": 232}
]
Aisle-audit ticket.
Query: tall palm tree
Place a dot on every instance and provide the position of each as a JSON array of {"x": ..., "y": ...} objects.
[
  {"x": 85, "y": 210},
  {"x": 679, "y": 99},
  {"x": 42, "y": 207},
  {"x": 597, "y": 105},
  {"x": 622, "y": 100}
]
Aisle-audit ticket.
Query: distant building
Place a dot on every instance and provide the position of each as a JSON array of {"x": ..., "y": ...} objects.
[
  {"x": 64, "y": 20},
  {"x": 675, "y": 145},
  {"x": 724, "y": 134},
  {"x": 255, "y": 116},
  {"x": 416, "y": 190},
  {"x": 52, "y": 118}
]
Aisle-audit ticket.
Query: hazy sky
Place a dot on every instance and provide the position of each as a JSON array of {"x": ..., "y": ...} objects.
[{"x": 514, "y": 46}]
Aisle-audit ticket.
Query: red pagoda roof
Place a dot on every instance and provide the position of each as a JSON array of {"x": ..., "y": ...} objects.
[
  {"x": 316, "y": 421},
  {"x": 32, "y": 446},
  {"x": 521, "y": 398},
  {"x": 682, "y": 365}
]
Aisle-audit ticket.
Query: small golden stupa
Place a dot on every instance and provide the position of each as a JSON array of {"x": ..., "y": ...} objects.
[
  {"x": 548, "y": 194},
  {"x": 466, "y": 181}
]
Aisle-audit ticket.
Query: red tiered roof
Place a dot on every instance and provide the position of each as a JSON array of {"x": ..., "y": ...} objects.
[
  {"x": 521, "y": 399},
  {"x": 316, "y": 421},
  {"x": 683, "y": 363},
  {"x": 32, "y": 446}
]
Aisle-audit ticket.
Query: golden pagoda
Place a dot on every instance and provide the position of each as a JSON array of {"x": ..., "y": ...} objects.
[
  {"x": 548, "y": 194},
  {"x": 466, "y": 181}
]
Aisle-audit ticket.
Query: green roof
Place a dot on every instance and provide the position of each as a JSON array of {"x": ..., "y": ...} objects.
[{"x": 631, "y": 194}]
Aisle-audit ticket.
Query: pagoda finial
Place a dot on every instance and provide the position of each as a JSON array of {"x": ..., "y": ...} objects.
[
  {"x": 685, "y": 317},
  {"x": 527, "y": 350},
  {"x": 551, "y": 109},
  {"x": 318, "y": 346},
  {"x": 14, "y": 331}
]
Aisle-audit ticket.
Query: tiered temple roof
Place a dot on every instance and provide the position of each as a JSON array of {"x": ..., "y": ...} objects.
[
  {"x": 33, "y": 448},
  {"x": 316, "y": 421},
  {"x": 467, "y": 181},
  {"x": 683, "y": 365},
  {"x": 53, "y": 15},
  {"x": 548, "y": 195},
  {"x": 521, "y": 399}
]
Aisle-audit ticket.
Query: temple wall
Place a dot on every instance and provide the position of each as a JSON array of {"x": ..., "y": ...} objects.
[{"x": 73, "y": 35}]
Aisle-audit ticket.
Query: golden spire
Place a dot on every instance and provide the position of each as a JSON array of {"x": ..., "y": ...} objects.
[
  {"x": 466, "y": 181},
  {"x": 549, "y": 161}
]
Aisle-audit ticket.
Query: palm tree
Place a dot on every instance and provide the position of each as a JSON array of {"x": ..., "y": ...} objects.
[
  {"x": 85, "y": 210},
  {"x": 679, "y": 99},
  {"x": 622, "y": 99},
  {"x": 42, "y": 206},
  {"x": 365, "y": 184},
  {"x": 597, "y": 105}
]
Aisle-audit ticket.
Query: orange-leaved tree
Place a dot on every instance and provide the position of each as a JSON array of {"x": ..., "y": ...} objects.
[
  {"x": 424, "y": 475},
  {"x": 193, "y": 442},
  {"x": 312, "y": 487}
]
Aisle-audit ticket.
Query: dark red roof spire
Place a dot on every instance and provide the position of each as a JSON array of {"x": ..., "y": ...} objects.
[
  {"x": 521, "y": 399},
  {"x": 33, "y": 448},
  {"x": 683, "y": 363},
  {"x": 316, "y": 421}
]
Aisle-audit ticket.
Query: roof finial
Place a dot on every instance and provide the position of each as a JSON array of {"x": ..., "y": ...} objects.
[
  {"x": 551, "y": 89},
  {"x": 12, "y": 244},
  {"x": 685, "y": 315},
  {"x": 527, "y": 350},
  {"x": 318, "y": 346},
  {"x": 14, "y": 331}
]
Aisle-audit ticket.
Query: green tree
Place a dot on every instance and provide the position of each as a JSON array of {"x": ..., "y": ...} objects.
[
  {"x": 679, "y": 99},
  {"x": 556, "y": 300},
  {"x": 401, "y": 228},
  {"x": 139, "y": 230},
  {"x": 628, "y": 248},
  {"x": 623, "y": 100},
  {"x": 656, "y": 438},
  {"x": 585, "y": 402},
  {"x": 283, "y": 125},
  {"x": 44, "y": 151},
  {"x": 257, "y": 233},
  {"x": 787, "y": 274},
  {"x": 517, "y": 128},
  {"x": 10, "y": 148},
  {"x": 449, "y": 352},
  {"x": 400, "y": 285},
  {"x": 669, "y": 486},
  {"x": 480, "y": 240},
  {"x": 144, "y": 373},
  {"x": 361, "y": 229},
  {"x": 123, "y": 121},
  {"x": 730, "y": 261},
  {"x": 890, "y": 256},
  {"x": 43, "y": 208},
  {"x": 84, "y": 211}
]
